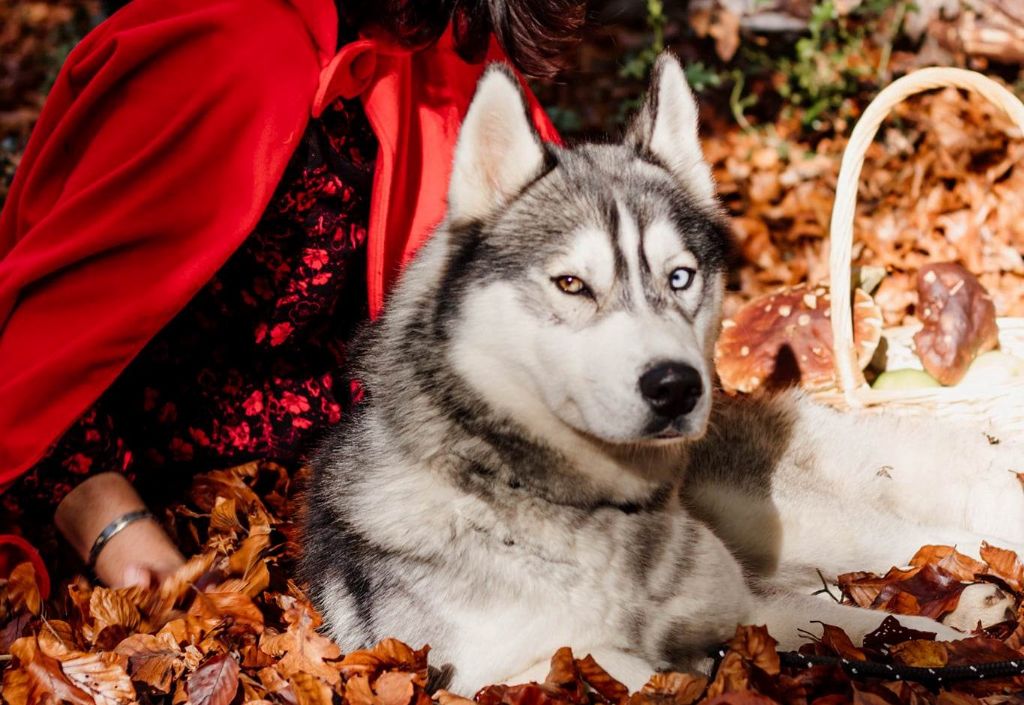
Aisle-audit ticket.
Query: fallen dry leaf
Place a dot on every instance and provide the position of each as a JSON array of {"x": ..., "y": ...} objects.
[
  {"x": 38, "y": 679},
  {"x": 835, "y": 640},
  {"x": 672, "y": 689},
  {"x": 1004, "y": 565},
  {"x": 947, "y": 558},
  {"x": 102, "y": 676},
  {"x": 920, "y": 654},
  {"x": 310, "y": 690},
  {"x": 600, "y": 680},
  {"x": 215, "y": 682},
  {"x": 155, "y": 660},
  {"x": 741, "y": 698},
  {"x": 756, "y": 646},
  {"x": 21, "y": 592},
  {"x": 236, "y": 609},
  {"x": 301, "y": 648},
  {"x": 395, "y": 688}
]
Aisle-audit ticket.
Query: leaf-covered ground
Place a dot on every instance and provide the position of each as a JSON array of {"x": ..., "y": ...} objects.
[{"x": 233, "y": 627}]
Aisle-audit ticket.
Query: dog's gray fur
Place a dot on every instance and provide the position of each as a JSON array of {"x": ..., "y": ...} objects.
[{"x": 506, "y": 490}]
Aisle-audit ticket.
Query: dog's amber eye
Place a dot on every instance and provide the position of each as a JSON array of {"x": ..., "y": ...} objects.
[
  {"x": 571, "y": 285},
  {"x": 682, "y": 278}
]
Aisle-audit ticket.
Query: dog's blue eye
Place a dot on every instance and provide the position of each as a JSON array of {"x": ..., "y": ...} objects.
[{"x": 682, "y": 278}]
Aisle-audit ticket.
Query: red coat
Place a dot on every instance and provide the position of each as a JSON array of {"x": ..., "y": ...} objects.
[{"x": 160, "y": 145}]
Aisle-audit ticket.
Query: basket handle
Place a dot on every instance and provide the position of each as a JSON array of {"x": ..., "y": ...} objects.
[{"x": 841, "y": 229}]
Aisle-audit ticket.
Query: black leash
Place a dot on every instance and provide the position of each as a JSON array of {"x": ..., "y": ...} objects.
[
  {"x": 886, "y": 671},
  {"x": 858, "y": 670}
]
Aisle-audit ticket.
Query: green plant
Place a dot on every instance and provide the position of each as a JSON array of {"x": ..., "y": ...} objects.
[
  {"x": 640, "y": 63},
  {"x": 829, "y": 64},
  {"x": 702, "y": 77}
]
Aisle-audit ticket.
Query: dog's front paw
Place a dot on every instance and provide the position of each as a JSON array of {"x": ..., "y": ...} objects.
[{"x": 981, "y": 604}]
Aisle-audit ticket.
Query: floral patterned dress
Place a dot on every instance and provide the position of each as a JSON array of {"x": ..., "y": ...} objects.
[{"x": 254, "y": 366}]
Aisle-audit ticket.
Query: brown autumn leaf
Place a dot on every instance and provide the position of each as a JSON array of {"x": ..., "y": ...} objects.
[
  {"x": 563, "y": 668},
  {"x": 274, "y": 684},
  {"x": 929, "y": 591},
  {"x": 671, "y": 689},
  {"x": 224, "y": 517},
  {"x": 37, "y": 679},
  {"x": 301, "y": 648},
  {"x": 57, "y": 639},
  {"x": 230, "y": 485},
  {"x": 742, "y": 697},
  {"x": 863, "y": 588},
  {"x": 112, "y": 608},
  {"x": 153, "y": 659},
  {"x": 564, "y": 676},
  {"x": 1005, "y": 565},
  {"x": 19, "y": 625},
  {"x": 837, "y": 641},
  {"x": 522, "y": 694},
  {"x": 215, "y": 682},
  {"x": 910, "y": 693},
  {"x": 733, "y": 675},
  {"x": 235, "y": 608},
  {"x": 310, "y": 690},
  {"x": 948, "y": 698},
  {"x": 834, "y": 699},
  {"x": 358, "y": 691},
  {"x": 443, "y": 697},
  {"x": 178, "y": 585},
  {"x": 389, "y": 653},
  {"x": 103, "y": 676},
  {"x": 947, "y": 558},
  {"x": 979, "y": 649},
  {"x": 920, "y": 654},
  {"x": 600, "y": 680},
  {"x": 253, "y": 582},
  {"x": 395, "y": 687},
  {"x": 755, "y": 645},
  {"x": 21, "y": 590},
  {"x": 190, "y": 629},
  {"x": 250, "y": 552},
  {"x": 223, "y": 484},
  {"x": 866, "y": 694}
]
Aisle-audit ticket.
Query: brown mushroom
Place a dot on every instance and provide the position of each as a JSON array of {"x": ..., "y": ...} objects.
[
  {"x": 785, "y": 338},
  {"x": 959, "y": 320}
]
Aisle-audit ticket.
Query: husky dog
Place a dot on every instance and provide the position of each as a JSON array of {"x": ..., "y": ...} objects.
[{"x": 539, "y": 462}]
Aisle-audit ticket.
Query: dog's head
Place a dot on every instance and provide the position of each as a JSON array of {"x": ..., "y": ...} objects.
[{"x": 588, "y": 281}]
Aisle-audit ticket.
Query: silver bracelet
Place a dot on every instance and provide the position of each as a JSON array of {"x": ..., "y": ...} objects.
[{"x": 113, "y": 529}]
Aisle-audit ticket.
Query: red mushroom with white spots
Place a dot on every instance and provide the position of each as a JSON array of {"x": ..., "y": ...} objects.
[{"x": 785, "y": 338}]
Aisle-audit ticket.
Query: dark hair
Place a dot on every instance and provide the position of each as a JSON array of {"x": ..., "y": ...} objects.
[{"x": 534, "y": 33}]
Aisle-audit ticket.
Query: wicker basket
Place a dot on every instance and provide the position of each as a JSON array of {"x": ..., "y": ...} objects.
[{"x": 998, "y": 410}]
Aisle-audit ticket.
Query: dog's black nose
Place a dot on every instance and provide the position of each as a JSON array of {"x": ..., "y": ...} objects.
[{"x": 671, "y": 388}]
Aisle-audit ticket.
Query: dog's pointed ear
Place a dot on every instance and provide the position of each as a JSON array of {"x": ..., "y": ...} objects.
[
  {"x": 666, "y": 129},
  {"x": 498, "y": 150}
]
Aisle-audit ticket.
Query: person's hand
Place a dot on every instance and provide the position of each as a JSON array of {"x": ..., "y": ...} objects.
[{"x": 140, "y": 554}]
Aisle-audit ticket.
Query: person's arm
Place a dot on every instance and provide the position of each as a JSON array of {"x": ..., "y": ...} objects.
[
  {"x": 140, "y": 554},
  {"x": 85, "y": 483}
]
